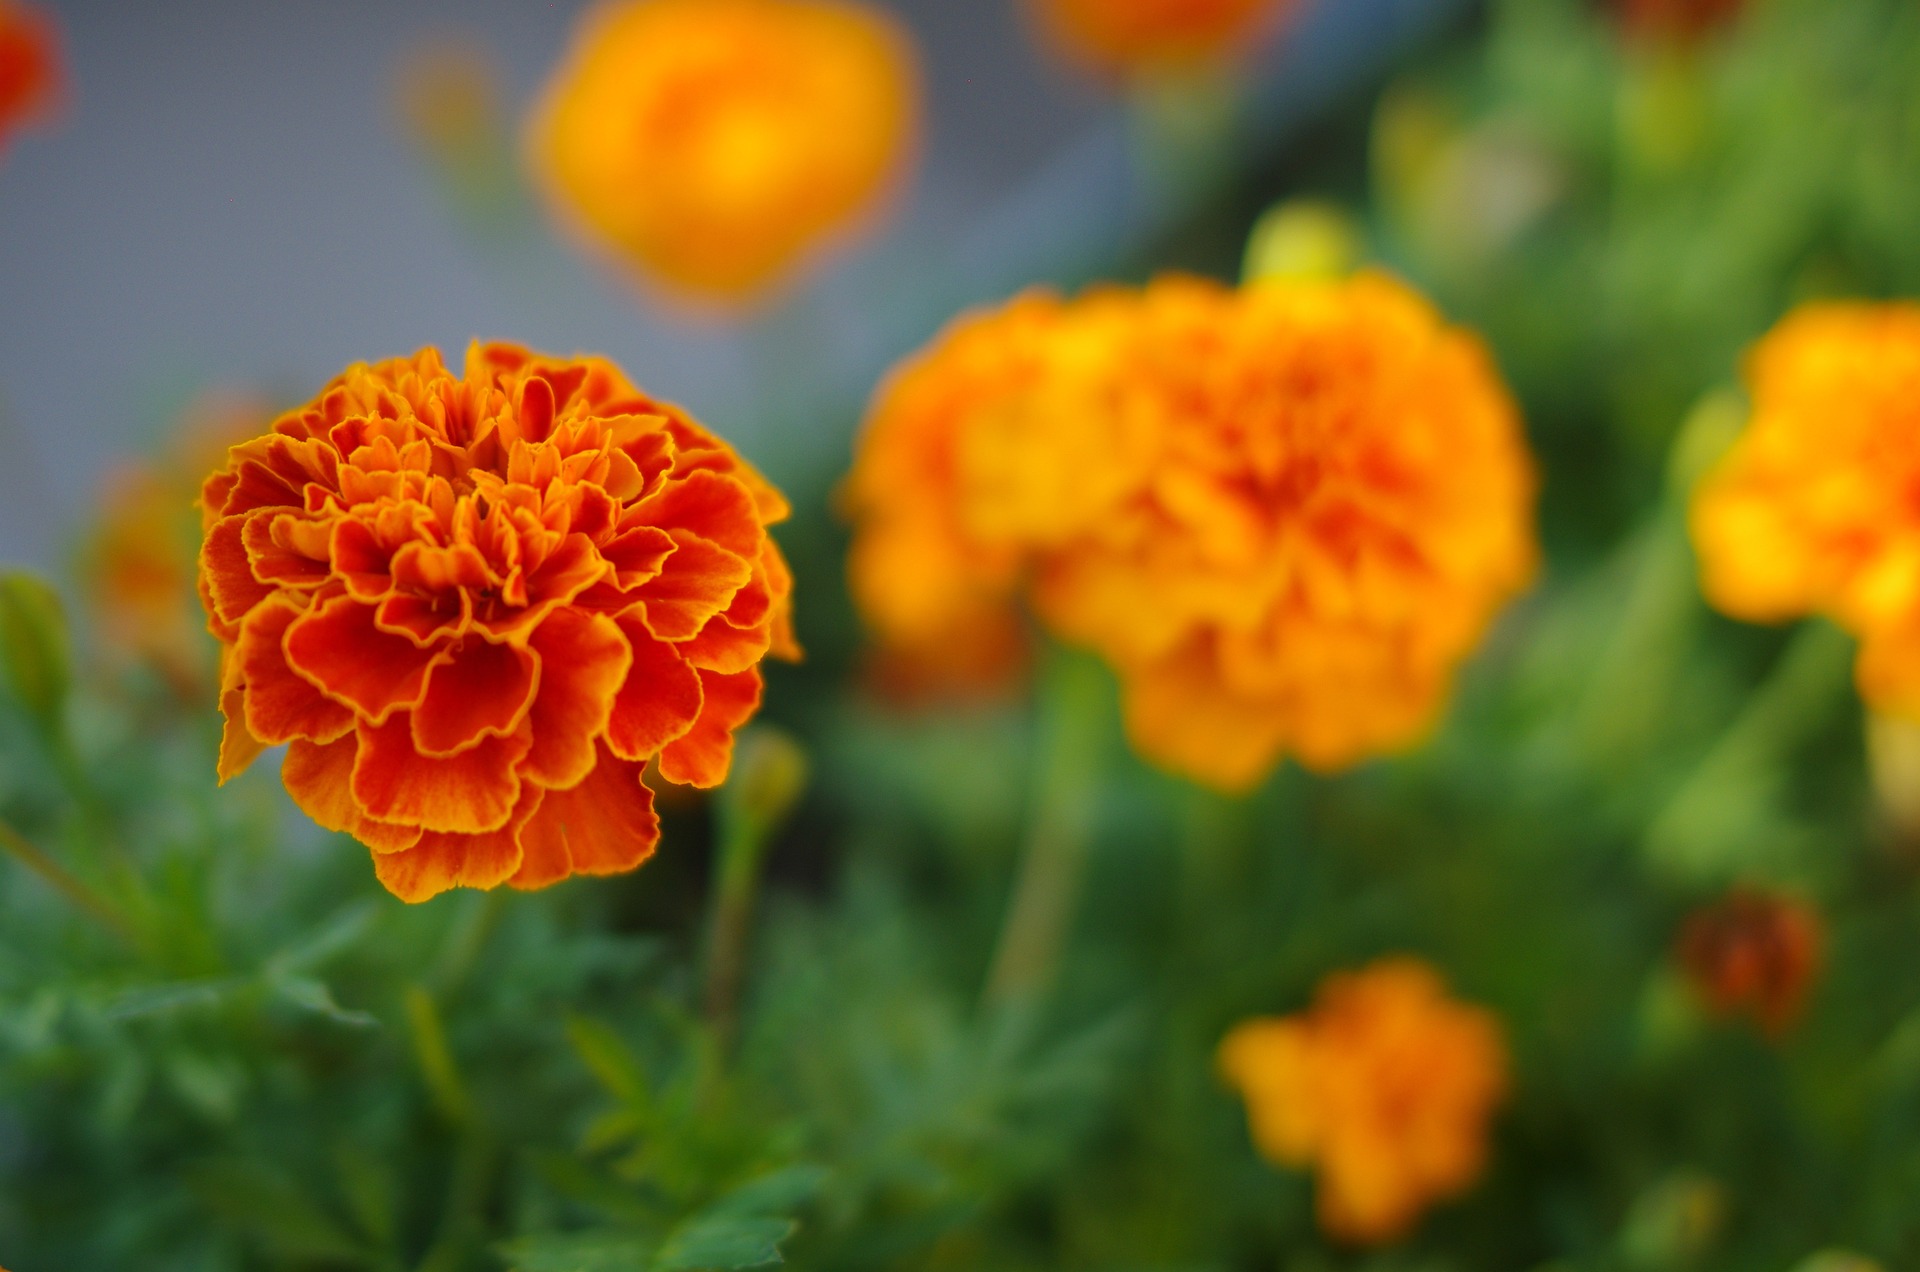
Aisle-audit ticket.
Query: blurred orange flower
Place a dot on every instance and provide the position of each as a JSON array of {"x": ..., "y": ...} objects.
[
  {"x": 1812, "y": 510},
  {"x": 137, "y": 561},
  {"x": 1683, "y": 20},
  {"x": 476, "y": 606},
  {"x": 1283, "y": 514},
  {"x": 1385, "y": 1087},
  {"x": 31, "y": 78},
  {"x": 1147, "y": 35},
  {"x": 1755, "y": 952},
  {"x": 714, "y": 143}
]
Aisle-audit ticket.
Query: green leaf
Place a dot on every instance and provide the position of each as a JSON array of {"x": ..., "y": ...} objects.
[
  {"x": 34, "y": 656},
  {"x": 609, "y": 1059},
  {"x": 773, "y": 1194},
  {"x": 258, "y": 1201},
  {"x": 314, "y": 996},
  {"x": 582, "y": 1252},
  {"x": 722, "y": 1241}
]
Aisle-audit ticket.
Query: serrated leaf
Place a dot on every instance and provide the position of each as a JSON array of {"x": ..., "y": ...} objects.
[
  {"x": 723, "y": 1241},
  {"x": 773, "y": 1194}
]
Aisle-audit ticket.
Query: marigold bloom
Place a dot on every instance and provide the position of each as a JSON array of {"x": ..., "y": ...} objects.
[
  {"x": 1754, "y": 952},
  {"x": 1811, "y": 511},
  {"x": 714, "y": 142},
  {"x": 30, "y": 72},
  {"x": 476, "y": 606},
  {"x": 1283, "y": 513},
  {"x": 1147, "y": 35},
  {"x": 1385, "y": 1087}
]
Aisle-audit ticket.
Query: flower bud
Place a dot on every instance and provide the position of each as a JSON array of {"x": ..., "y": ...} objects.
[{"x": 1303, "y": 238}]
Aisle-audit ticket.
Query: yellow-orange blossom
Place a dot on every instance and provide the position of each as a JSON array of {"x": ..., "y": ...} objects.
[
  {"x": 476, "y": 606},
  {"x": 1283, "y": 513},
  {"x": 714, "y": 143},
  {"x": 1385, "y": 1087},
  {"x": 1816, "y": 507}
]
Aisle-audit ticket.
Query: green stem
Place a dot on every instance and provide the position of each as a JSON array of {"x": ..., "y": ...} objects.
[
  {"x": 743, "y": 850},
  {"x": 66, "y": 883},
  {"x": 1046, "y": 890}
]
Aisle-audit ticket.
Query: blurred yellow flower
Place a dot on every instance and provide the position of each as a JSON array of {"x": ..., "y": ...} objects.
[
  {"x": 1283, "y": 514},
  {"x": 715, "y": 143},
  {"x": 1813, "y": 509},
  {"x": 1385, "y": 1087},
  {"x": 1129, "y": 36}
]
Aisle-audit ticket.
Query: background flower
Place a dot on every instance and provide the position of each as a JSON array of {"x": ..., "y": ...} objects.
[
  {"x": 1756, "y": 952},
  {"x": 1145, "y": 35},
  {"x": 1811, "y": 510},
  {"x": 476, "y": 607},
  {"x": 1385, "y": 1087},
  {"x": 1283, "y": 513},
  {"x": 714, "y": 143},
  {"x": 31, "y": 78}
]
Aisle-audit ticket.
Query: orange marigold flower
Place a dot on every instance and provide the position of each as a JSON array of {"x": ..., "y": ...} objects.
[
  {"x": 1283, "y": 513},
  {"x": 1385, "y": 1087},
  {"x": 476, "y": 606},
  {"x": 30, "y": 72},
  {"x": 714, "y": 142},
  {"x": 1811, "y": 511},
  {"x": 1147, "y": 35},
  {"x": 1755, "y": 952}
]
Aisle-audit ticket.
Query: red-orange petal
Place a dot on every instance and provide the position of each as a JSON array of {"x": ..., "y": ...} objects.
[
  {"x": 320, "y": 780},
  {"x": 441, "y": 861},
  {"x": 605, "y": 825},
  {"x": 228, "y": 573},
  {"x": 481, "y": 690},
  {"x": 280, "y": 705},
  {"x": 338, "y": 647},
  {"x": 660, "y": 700},
  {"x": 584, "y": 660},
  {"x": 702, "y": 756},
  {"x": 469, "y": 793},
  {"x": 238, "y": 748},
  {"x": 698, "y": 581},
  {"x": 717, "y": 508}
]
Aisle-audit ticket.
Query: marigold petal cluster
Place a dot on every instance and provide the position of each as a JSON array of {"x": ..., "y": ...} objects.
[
  {"x": 1813, "y": 508},
  {"x": 1134, "y": 36},
  {"x": 1385, "y": 1087},
  {"x": 1282, "y": 513},
  {"x": 474, "y": 607},
  {"x": 31, "y": 78},
  {"x": 714, "y": 143},
  {"x": 1754, "y": 952}
]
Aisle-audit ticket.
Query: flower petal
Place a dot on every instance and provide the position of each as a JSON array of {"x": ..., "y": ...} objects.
[
  {"x": 605, "y": 825},
  {"x": 584, "y": 661},
  {"x": 701, "y": 757},
  {"x": 717, "y": 508},
  {"x": 228, "y": 573},
  {"x": 338, "y": 646},
  {"x": 470, "y": 793},
  {"x": 320, "y": 780},
  {"x": 238, "y": 747},
  {"x": 481, "y": 690},
  {"x": 441, "y": 861},
  {"x": 659, "y": 701},
  {"x": 698, "y": 581},
  {"x": 280, "y": 705}
]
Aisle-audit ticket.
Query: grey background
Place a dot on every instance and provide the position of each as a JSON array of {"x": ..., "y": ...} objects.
[{"x": 228, "y": 202}]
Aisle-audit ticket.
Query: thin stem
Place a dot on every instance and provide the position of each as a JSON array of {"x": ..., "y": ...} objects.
[
  {"x": 1046, "y": 892},
  {"x": 743, "y": 844},
  {"x": 66, "y": 883}
]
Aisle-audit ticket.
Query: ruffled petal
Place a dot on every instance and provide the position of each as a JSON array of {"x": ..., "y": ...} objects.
[
  {"x": 584, "y": 660},
  {"x": 339, "y": 647},
  {"x": 320, "y": 780},
  {"x": 701, "y": 757},
  {"x": 660, "y": 700},
  {"x": 441, "y": 861},
  {"x": 605, "y": 825},
  {"x": 698, "y": 581},
  {"x": 469, "y": 793},
  {"x": 482, "y": 690},
  {"x": 280, "y": 705}
]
